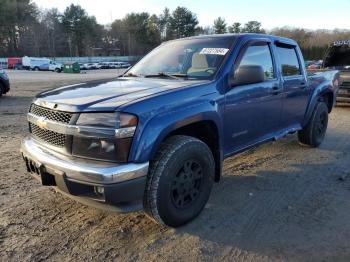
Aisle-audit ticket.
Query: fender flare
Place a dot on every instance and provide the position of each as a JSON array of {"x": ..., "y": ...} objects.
[
  {"x": 148, "y": 139},
  {"x": 318, "y": 92}
]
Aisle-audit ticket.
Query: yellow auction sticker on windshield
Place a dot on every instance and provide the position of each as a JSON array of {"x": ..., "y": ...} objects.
[{"x": 214, "y": 51}]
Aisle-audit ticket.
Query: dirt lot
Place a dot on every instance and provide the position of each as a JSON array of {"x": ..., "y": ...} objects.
[{"x": 279, "y": 202}]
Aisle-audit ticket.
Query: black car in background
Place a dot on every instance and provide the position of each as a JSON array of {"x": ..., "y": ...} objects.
[{"x": 4, "y": 82}]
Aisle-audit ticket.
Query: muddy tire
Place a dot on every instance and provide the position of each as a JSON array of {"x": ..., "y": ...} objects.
[
  {"x": 179, "y": 182},
  {"x": 314, "y": 132}
]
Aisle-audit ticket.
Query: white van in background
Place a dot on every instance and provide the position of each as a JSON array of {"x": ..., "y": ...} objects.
[{"x": 41, "y": 64}]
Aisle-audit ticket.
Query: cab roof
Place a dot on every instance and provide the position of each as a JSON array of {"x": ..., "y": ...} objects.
[{"x": 279, "y": 39}]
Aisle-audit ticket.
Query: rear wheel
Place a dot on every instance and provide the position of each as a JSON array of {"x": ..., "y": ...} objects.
[
  {"x": 36, "y": 68},
  {"x": 179, "y": 181},
  {"x": 314, "y": 132}
]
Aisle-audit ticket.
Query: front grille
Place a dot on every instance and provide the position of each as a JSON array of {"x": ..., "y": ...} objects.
[
  {"x": 48, "y": 136},
  {"x": 57, "y": 116}
]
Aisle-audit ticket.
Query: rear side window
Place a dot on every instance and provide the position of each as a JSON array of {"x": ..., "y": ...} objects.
[
  {"x": 259, "y": 55},
  {"x": 289, "y": 61}
]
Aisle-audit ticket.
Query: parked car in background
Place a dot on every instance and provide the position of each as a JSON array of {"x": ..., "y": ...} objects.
[
  {"x": 85, "y": 66},
  {"x": 4, "y": 82},
  {"x": 96, "y": 65},
  {"x": 92, "y": 66},
  {"x": 125, "y": 65},
  {"x": 156, "y": 137},
  {"x": 111, "y": 65},
  {"x": 41, "y": 64},
  {"x": 315, "y": 65},
  {"x": 104, "y": 65},
  {"x": 114, "y": 65},
  {"x": 120, "y": 64}
]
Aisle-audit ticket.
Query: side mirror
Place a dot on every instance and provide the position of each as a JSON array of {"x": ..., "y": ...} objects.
[{"x": 247, "y": 74}]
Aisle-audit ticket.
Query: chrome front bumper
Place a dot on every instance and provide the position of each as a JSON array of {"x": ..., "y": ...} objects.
[
  {"x": 122, "y": 185},
  {"x": 80, "y": 170}
]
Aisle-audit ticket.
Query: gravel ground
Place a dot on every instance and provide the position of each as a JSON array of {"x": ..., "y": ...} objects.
[{"x": 278, "y": 202}]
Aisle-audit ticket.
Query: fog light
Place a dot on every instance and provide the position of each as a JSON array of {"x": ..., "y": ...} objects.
[{"x": 99, "y": 190}]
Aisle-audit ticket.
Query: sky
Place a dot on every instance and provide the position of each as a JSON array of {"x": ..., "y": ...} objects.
[{"x": 310, "y": 14}]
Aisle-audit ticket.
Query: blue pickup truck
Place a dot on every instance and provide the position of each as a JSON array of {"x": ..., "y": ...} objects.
[{"x": 155, "y": 138}]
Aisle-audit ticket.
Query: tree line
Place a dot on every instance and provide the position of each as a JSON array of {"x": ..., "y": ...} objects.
[{"x": 27, "y": 30}]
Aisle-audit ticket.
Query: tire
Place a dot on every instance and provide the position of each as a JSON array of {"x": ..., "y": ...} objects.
[
  {"x": 2, "y": 90},
  {"x": 36, "y": 68},
  {"x": 314, "y": 132},
  {"x": 179, "y": 181}
]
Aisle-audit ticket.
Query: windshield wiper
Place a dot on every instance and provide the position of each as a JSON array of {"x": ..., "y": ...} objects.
[
  {"x": 181, "y": 75},
  {"x": 130, "y": 75},
  {"x": 162, "y": 74}
]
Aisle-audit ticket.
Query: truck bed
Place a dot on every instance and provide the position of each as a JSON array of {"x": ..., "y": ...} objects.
[{"x": 343, "y": 94}]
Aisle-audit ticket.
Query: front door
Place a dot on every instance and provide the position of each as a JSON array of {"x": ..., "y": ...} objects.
[{"x": 253, "y": 111}]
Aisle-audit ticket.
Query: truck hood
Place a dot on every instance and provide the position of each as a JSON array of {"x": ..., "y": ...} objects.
[{"x": 107, "y": 95}]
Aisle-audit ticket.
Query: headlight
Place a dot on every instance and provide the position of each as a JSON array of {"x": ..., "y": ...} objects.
[
  {"x": 98, "y": 120},
  {"x": 112, "y": 120},
  {"x": 112, "y": 149}
]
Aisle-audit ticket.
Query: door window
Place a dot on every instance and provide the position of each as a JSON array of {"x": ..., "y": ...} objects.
[
  {"x": 289, "y": 61},
  {"x": 259, "y": 55}
]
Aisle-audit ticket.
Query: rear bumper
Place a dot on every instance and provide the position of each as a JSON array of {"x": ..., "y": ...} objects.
[{"x": 100, "y": 184}]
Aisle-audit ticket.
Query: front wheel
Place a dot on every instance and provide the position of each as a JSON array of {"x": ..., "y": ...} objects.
[
  {"x": 314, "y": 132},
  {"x": 179, "y": 181}
]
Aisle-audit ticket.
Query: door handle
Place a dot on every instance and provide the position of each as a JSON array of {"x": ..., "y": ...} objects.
[
  {"x": 302, "y": 85},
  {"x": 275, "y": 90}
]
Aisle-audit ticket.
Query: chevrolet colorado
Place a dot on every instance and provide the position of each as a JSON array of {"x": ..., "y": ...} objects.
[{"x": 155, "y": 138}]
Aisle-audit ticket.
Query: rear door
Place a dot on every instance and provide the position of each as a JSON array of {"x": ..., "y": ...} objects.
[
  {"x": 295, "y": 88},
  {"x": 252, "y": 111}
]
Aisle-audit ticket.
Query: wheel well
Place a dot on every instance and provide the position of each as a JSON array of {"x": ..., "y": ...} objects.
[
  {"x": 207, "y": 132},
  {"x": 328, "y": 99}
]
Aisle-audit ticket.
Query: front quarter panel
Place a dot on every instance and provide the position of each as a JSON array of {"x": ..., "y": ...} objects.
[{"x": 183, "y": 109}]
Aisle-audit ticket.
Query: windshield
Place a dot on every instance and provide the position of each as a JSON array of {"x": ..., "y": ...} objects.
[{"x": 187, "y": 58}]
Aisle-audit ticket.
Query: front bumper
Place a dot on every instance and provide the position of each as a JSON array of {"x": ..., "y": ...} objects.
[{"x": 122, "y": 186}]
